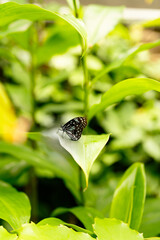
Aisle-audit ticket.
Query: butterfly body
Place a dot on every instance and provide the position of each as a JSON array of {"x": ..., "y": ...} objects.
[{"x": 74, "y": 127}]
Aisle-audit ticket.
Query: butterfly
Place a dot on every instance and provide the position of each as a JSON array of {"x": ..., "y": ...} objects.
[{"x": 74, "y": 127}]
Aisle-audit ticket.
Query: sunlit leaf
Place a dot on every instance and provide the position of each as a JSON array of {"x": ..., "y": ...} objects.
[
  {"x": 17, "y": 26},
  {"x": 12, "y": 129},
  {"x": 152, "y": 23},
  {"x": 154, "y": 238},
  {"x": 85, "y": 151},
  {"x": 46, "y": 232},
  {"x": 132, "y": 86},
  {"x": 5, "y": 235},
  {"x": 56, "y": 222},
  {"x": 100, "y": 20},
  {"x": 107, "y": 229},
  {"x": 129, "y": 197},
  {"x": 8, "y": 120},
  {"x": 11, "y": 12},
  {"x": 14, "y": 206}
]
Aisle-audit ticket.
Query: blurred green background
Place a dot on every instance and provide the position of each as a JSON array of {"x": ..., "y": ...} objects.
[{"x": 48, "y": 55}]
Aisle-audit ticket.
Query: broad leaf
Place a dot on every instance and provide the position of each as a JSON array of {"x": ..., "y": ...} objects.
[
  {"x": 100, "y": 20},
  {"x": 50, "y": 221},
  {"x": 56, "y": 159},
  {"x": 51, "y": 160},
  {"x": 152, "y": 23},
  {"x": 132, "y": 86},
  {"x": 85, "y": 214},
  {"x": 5, "y": 235},
  {"x": 14, "y": 206},
  {"x": 85, "y": 151},
  {"x": 129, "y": 54},
  {"x": 61, "y": 34},
  {"x": 46, "y": 232},
  {"x": 129, "y": 197},
  {"x": 154, "y": 238},
  {"x": 11, "y": 12},
  {"x": 151, "y": 218},
  {"x": 107, "y": 229},
  {"x": 56, "y": 222},
  {"x": 32, "y": 157},
  {"x": 17, "y": 26}
]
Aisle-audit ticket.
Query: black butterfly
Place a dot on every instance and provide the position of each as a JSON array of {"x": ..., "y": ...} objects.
[{"x": 74, "y": 127}]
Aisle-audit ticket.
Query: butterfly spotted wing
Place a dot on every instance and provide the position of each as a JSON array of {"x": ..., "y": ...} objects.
[{"x": 74, "y": 127}]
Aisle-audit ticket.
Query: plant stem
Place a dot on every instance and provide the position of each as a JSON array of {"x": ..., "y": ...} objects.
[
  {"x": 32, "y": 85},
  {"x": 75, "y": 9},
  {"x": 86, "y": 99},
  {"x": 32, "y": 185},
  {"x": 86, "y": 85},
  {"x": 31, "y": 191},
  {"x": 81, "y": 186},
  {"x": 84, "y": 67},
  {"x": 33, "y": 46}
]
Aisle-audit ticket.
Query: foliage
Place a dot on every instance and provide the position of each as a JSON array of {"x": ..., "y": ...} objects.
[{"x": 58, "y": 63}]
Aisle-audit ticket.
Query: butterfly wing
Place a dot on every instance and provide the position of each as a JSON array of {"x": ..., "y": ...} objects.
[
  {"x": 74, "y": 127},
  {"x": 74, "y": 135}
]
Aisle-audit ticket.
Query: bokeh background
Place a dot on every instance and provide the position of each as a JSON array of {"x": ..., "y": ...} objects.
[{"x": 45, "y": 56}]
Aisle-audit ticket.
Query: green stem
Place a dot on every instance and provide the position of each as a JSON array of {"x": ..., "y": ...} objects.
[
  {"x": 81, "y": 186},
  {"x": 31, "y": 191},
  {"x": 75, "y": 9},
  {"x": 86, "y": 85},
  {"x": 32, "y": 85},
  {"x": 86, "y": 99},
  {"x": 33, "y": 45},
  {"x": 32, "y": 185},
  {"x": 84, "y": 67}
]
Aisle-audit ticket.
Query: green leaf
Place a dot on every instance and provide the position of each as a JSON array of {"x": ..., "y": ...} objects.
[
  {"x": 56, "y": 222},
  {"x": 152, "y": 23},
  {"x": 46, "y": 232},
  {"x": 154, "y": 238},
  {"x": 34, "y": 158},
  {"x": 50, "y": 221},
  {"x": 20, "y": 96},
  {"x": 14, "y": 206},
  {"x": 129, "y": 197},
  {"x": 85, "y": 151},
  {"x": 122, "y": 89},
  {"x": 151, "y": 218},
  {"x": 128, "y": 55},
  {"x": 57, "y": 160},
  {"x": 63, "y": 107},
  {"x": 11, "y": 12},
  {"x": 61, "y": 34},
  {"x": 51, "y": 160},
  {"x": 113, "y": 229},
  {"x": 4, "y": 235},
  {"x": 17, "y": 26},
  {"x": 85, "y": 214},
  {"x": 100, "y": 20},
  {"x": 151, "y": 146},
  {"x": 12, "y": 170}
]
